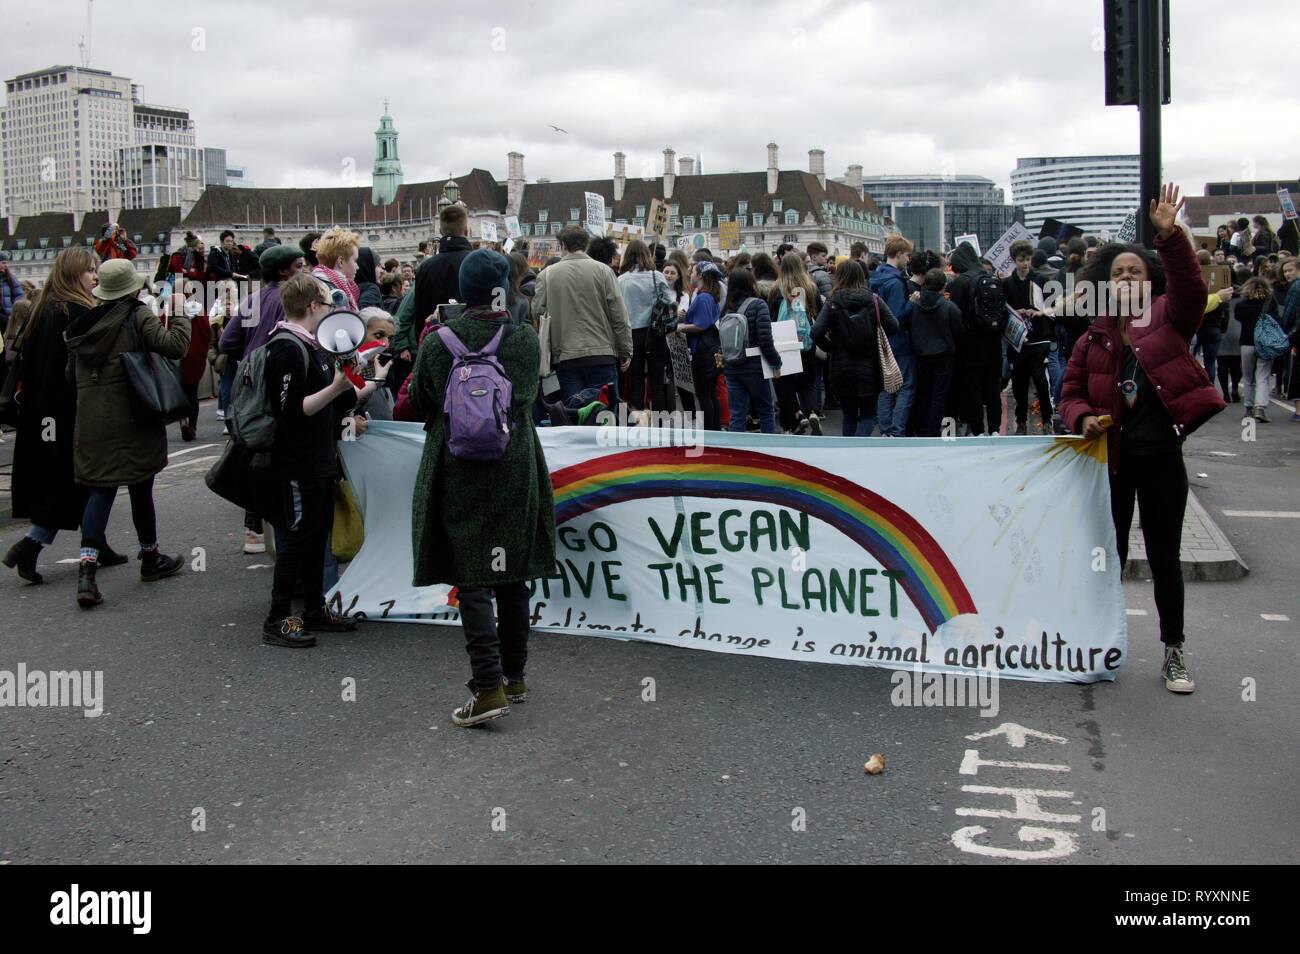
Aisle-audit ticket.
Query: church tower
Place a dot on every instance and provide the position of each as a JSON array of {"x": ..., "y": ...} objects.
[{"x": 387, "y": 173}]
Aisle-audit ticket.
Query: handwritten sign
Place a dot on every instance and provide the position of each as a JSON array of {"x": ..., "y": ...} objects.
[
  {"x": 595, "y": 213},
  {"x": 1000, "y": 252}
]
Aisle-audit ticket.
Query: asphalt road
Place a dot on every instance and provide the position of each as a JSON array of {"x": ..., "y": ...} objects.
[{"x": 737, "y": 759}]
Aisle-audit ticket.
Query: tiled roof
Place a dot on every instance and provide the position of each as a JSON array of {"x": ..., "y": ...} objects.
[
  {"x": 797, "y": 190},
  {"x": 223, "y": 205},
  {"x": 54, "y": 227}
]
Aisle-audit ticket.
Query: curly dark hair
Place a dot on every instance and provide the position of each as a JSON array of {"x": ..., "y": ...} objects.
[{"x": 1098, "y": 270}]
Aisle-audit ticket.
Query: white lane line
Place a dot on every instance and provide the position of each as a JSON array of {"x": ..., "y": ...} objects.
[
  {"x": 258, "y": 566},
  {"x": 1289, "y": 408},
  {"x": 1222, "y": 454},
  {"x": 1271, "y": 514},
  {"x": 189, "y": 450},
  {"x": 192, "y": 460},
  {"x": 71, "y": 560},
  {"x": 1275, "y": 617},
  {"x": 1136, "y": 612}
]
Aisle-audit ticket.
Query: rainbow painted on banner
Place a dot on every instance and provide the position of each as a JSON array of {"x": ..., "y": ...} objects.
[{"x": 883, "y": 529}]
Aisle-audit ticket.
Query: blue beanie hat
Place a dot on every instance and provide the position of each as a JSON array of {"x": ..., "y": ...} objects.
[{"x": 481, "y": 272}]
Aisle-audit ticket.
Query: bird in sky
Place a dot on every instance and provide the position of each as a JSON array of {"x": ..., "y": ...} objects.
[{"x": 558, "y": 129}]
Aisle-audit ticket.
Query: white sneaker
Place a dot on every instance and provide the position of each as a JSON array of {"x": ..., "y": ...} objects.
[
  {"x": 1177, "y": 679},
  {"x": 221, "y": 415},
  {"x": 254, "y": 542}
]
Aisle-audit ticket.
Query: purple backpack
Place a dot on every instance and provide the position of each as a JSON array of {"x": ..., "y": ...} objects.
[{"x": 477, "y": 403}]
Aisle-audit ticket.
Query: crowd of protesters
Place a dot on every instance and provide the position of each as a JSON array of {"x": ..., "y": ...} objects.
[{"x": 914, "y": 343}]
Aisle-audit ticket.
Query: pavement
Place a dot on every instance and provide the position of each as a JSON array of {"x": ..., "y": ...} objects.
[{"x": 213, "y": 748}]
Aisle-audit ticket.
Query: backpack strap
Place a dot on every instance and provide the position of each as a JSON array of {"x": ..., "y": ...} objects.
[
  {"x": 450, "y": 341},
  {"x": 302, "y": 346}
]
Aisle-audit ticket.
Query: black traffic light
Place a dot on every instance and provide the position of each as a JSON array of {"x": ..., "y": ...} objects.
[{"x": 1121, "y": 29}]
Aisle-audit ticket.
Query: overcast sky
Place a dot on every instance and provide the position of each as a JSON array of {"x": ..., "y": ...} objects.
[{"x": 293, "y": 91}]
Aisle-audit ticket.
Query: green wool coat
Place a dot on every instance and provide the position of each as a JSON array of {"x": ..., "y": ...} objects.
[
  {"x": 463, "y": 511},
  {"x": 112, "y": 444}
]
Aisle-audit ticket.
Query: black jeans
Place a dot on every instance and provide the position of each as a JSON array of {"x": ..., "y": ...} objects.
[
  {"x": 796, "y": 389},
  {"x": 984, "y": 397},
  {"x": 1229, "y": 369},
  {"x": 706, "y": 374},
  {"x": 303, "y": 527},
  {"x": 1022, "y": 373},
  {"x": 99, "y": 505},
  {"x": 933, "y": 379},
  {"x": 495, "y": 645},
  {"x": 1159, "y": 482},
  {"x": 192, "y": 392}
]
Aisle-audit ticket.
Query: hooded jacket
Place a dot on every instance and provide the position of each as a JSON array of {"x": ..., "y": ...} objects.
[
  {"x": 368, "y": 288},
  {"x": 437, "y": 281},
  {"x": 936, "y": 326},
  {"x": 113, "y": 444},
  {"x": 846, "y": 330},
  {"x": 1160, "y": 344},
  {"x": 978, "y": 348}
]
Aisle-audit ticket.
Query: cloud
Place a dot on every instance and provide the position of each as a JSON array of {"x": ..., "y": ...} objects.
[{"x": 293, "y": 92}]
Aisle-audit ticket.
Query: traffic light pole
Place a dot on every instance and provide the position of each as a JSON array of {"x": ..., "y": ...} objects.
[{"x": 1150, "y": 95}]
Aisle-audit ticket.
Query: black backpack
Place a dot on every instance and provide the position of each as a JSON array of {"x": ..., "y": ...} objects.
[{"x": 990, "y": 304}]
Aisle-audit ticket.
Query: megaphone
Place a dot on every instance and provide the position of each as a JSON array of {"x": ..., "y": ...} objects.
[{"x": 340, "y": 333}]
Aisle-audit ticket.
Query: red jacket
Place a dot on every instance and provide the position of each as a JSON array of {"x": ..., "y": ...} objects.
[
  {"x": 1162, "y": 349},
  {"x": 195, "y": 363},
  {"x": 108, "y": 249}
]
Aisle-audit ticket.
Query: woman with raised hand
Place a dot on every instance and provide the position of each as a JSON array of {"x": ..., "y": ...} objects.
[{"x": 1134, "y": 366}]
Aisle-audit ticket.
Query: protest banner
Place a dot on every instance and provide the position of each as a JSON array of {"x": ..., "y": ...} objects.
[
  {"x": 487, "y": 230},
  {"x": 1288, "y": 206},
  {"x": 680, "y": 353},
  {"x": 729, "y": 235},
  {"x": 973, "y": 239},
  {"x": 860, "y": 551},
  {"x": 539, "y": 250},
  {"x": 622, "y": 233},
  {"x": 512, "y": 226},
  {"x": 785, "y": 338},
  {"x": 595, "y": 213},
  {"x": 1000, "y": 253}
]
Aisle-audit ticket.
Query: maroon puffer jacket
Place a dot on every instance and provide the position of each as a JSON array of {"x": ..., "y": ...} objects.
[{"x": 1162, "y": 348}]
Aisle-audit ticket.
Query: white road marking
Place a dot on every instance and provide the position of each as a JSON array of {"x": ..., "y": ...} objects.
[
  {"x": 1275, "y": 617},
  {"x": 1270, "y": 514},
  {"x": 1016, "y": 735},
  {"x": 71, "y": 560},
  {"x": 189, "y": 450},
  {"x": 258, "y": 566},
  {"x": 192, "y": 460},
  {"x": 1136, "y": 612},
  {"x": 1222, "y": 454},
  {"x": 1283, "y": 405}
]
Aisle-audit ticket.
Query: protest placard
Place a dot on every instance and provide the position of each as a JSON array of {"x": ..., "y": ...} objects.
[
  {"x": 680, "y": 352},
  {"x": 729, "y": 235},
  {"x": 1000, "y": 253},
  {"x": 512, "y": 226},
  {"x": 487, "y": 230},
  {"x": 595, "y": 213},
  {"x": 973, "y": 239},
  {"x": 1288, "y": 206}
]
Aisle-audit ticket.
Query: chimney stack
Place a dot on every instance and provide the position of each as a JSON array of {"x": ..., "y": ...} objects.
[
  {"x": 620, "y": 176},
  {"x": 514, "y": 182},
  {"x": 855, "y": 179},
  {"x": 686, "y": 166},
  {"x": 817, "y": 165},
  {"x": 669, "y": 177},
  {"x": 771, "y": 168}
]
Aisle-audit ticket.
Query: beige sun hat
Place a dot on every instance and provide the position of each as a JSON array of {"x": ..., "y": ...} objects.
[{"x": 117, "y": 279}]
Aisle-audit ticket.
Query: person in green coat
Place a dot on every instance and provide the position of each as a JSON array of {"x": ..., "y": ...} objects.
[
  {"x": 486, "y": 527},
  {"x": 114, "y": 444}
]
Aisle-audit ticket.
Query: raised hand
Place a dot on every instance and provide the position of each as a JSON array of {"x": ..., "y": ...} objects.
[{"x": 1164, "y": 213}]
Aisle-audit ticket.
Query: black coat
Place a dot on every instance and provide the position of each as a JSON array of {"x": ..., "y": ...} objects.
[
  {"x": 846, "y": 330},
  {"x": 936, "y": 326},
  {"x": 44, "y": 487},
  {"x": 437, "y": 280}
]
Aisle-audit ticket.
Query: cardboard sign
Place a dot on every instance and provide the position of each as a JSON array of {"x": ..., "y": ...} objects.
[
  {"x": 1217, "y": 277},
  {"x": 729, "y": 235},
  {"x": 1016, "y": 331},
  {"x": 595, "y": 213},
  {"x": 623, "y": 233},
  {"x": 512, "y": 226},
  {"x": 785, "y": 338},
  {"x": 657, "y": 221},
  {"x": 973, "y": 239},
  {"x": 487, "y": 231}
]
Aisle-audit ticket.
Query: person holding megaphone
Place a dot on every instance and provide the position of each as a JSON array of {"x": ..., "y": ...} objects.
[
  {"x": 1133, "y": 382},
  {"x": 310, "y": 396}
]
